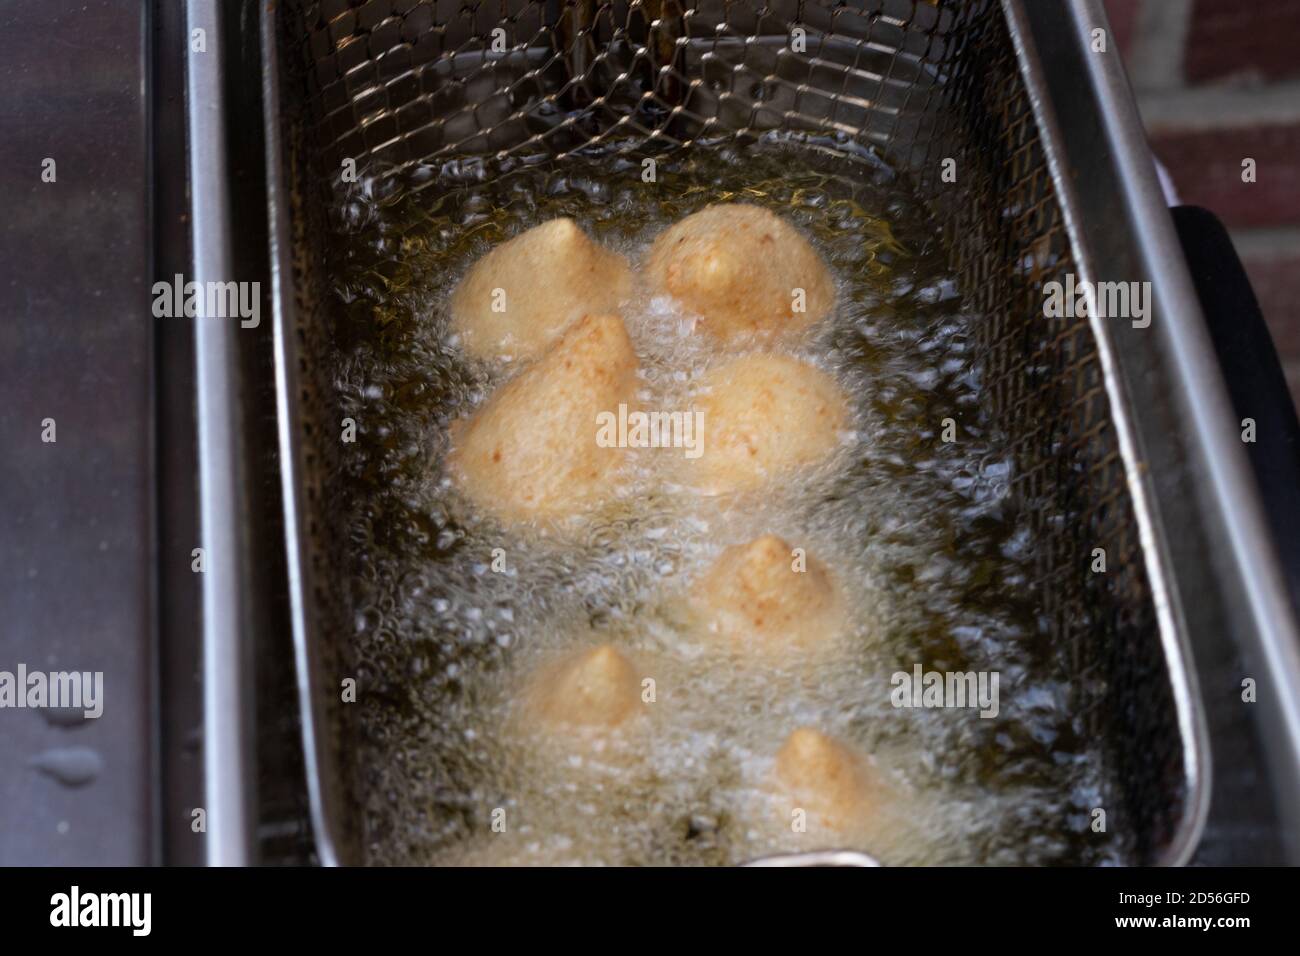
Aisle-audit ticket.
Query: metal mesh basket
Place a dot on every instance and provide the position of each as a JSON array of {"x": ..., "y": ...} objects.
[{"x": 397, "y": 85}]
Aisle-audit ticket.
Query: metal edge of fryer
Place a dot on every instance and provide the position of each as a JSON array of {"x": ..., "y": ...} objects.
[
  {"x": 1177, "y": 652},
  {"x": 318, "y": 759},
  {"x": 227, "y": 725},
  {"x": 1248, "y": 587}
]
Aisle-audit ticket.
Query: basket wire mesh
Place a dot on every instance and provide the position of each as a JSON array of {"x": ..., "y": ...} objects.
[{"x": 402, "y": 86}]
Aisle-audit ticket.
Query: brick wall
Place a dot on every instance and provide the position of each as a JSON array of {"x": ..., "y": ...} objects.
[{"x": 1218, "y": 81}]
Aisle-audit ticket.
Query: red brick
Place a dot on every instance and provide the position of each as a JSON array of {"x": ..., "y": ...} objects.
[
  {"x": 1123, "y": 22},
  {"x": 1206, "y": 168},
  {"x": 1254, "y": 39}
]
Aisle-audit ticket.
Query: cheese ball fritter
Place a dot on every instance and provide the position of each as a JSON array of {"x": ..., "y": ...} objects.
[
  {"x": 595, "y": 689},
  {"x": 756, "y": 599},
  {"x": 531, "y": 452},
  {"x": 517, "y": 299},
  {"x": 743, "y": 270},
  {"x": 765, "y": 416},
  {"x": 831, "y": 781}
]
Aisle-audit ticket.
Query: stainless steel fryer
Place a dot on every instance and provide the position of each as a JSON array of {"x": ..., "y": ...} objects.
[{"x": 1125, "y": 430}]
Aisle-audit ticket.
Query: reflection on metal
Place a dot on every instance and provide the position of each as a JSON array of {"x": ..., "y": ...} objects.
[
  {"x": 227, "y": 701},
  {"x": 818, "y": 858}
]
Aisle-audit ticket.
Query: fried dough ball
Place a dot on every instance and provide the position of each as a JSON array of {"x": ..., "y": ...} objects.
[
  {"x": 765, "y": 416},
  {"x": 756, "y": 599},
  {"x": 594, "y": 689},
  {"x": 531, "y": 451},
  {"x": 743, "y": 270},
  {"x": 834, "y": 783},
  {"x": 521, "y": 296}
]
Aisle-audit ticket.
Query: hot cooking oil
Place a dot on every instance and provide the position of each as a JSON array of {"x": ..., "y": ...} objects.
[{"x": 452, "y": 610}]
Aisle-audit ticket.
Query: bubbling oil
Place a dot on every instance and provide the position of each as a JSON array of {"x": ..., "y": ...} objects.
[{"x": 454, "y": 610}]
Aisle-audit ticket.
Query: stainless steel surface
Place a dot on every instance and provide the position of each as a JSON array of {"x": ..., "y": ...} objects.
[
  {"x": 77, "y": 524},
  {"x": 1248, "y": 568},
  {"x": 1082, "y": 227},
  {"x": 322, "y": 772},
  {"x": 1092, "y": 414},
  {"x": 180, "y": 684},
  {"x": 227, "y": 674},
  {"x": 1199, "y": 497}
]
